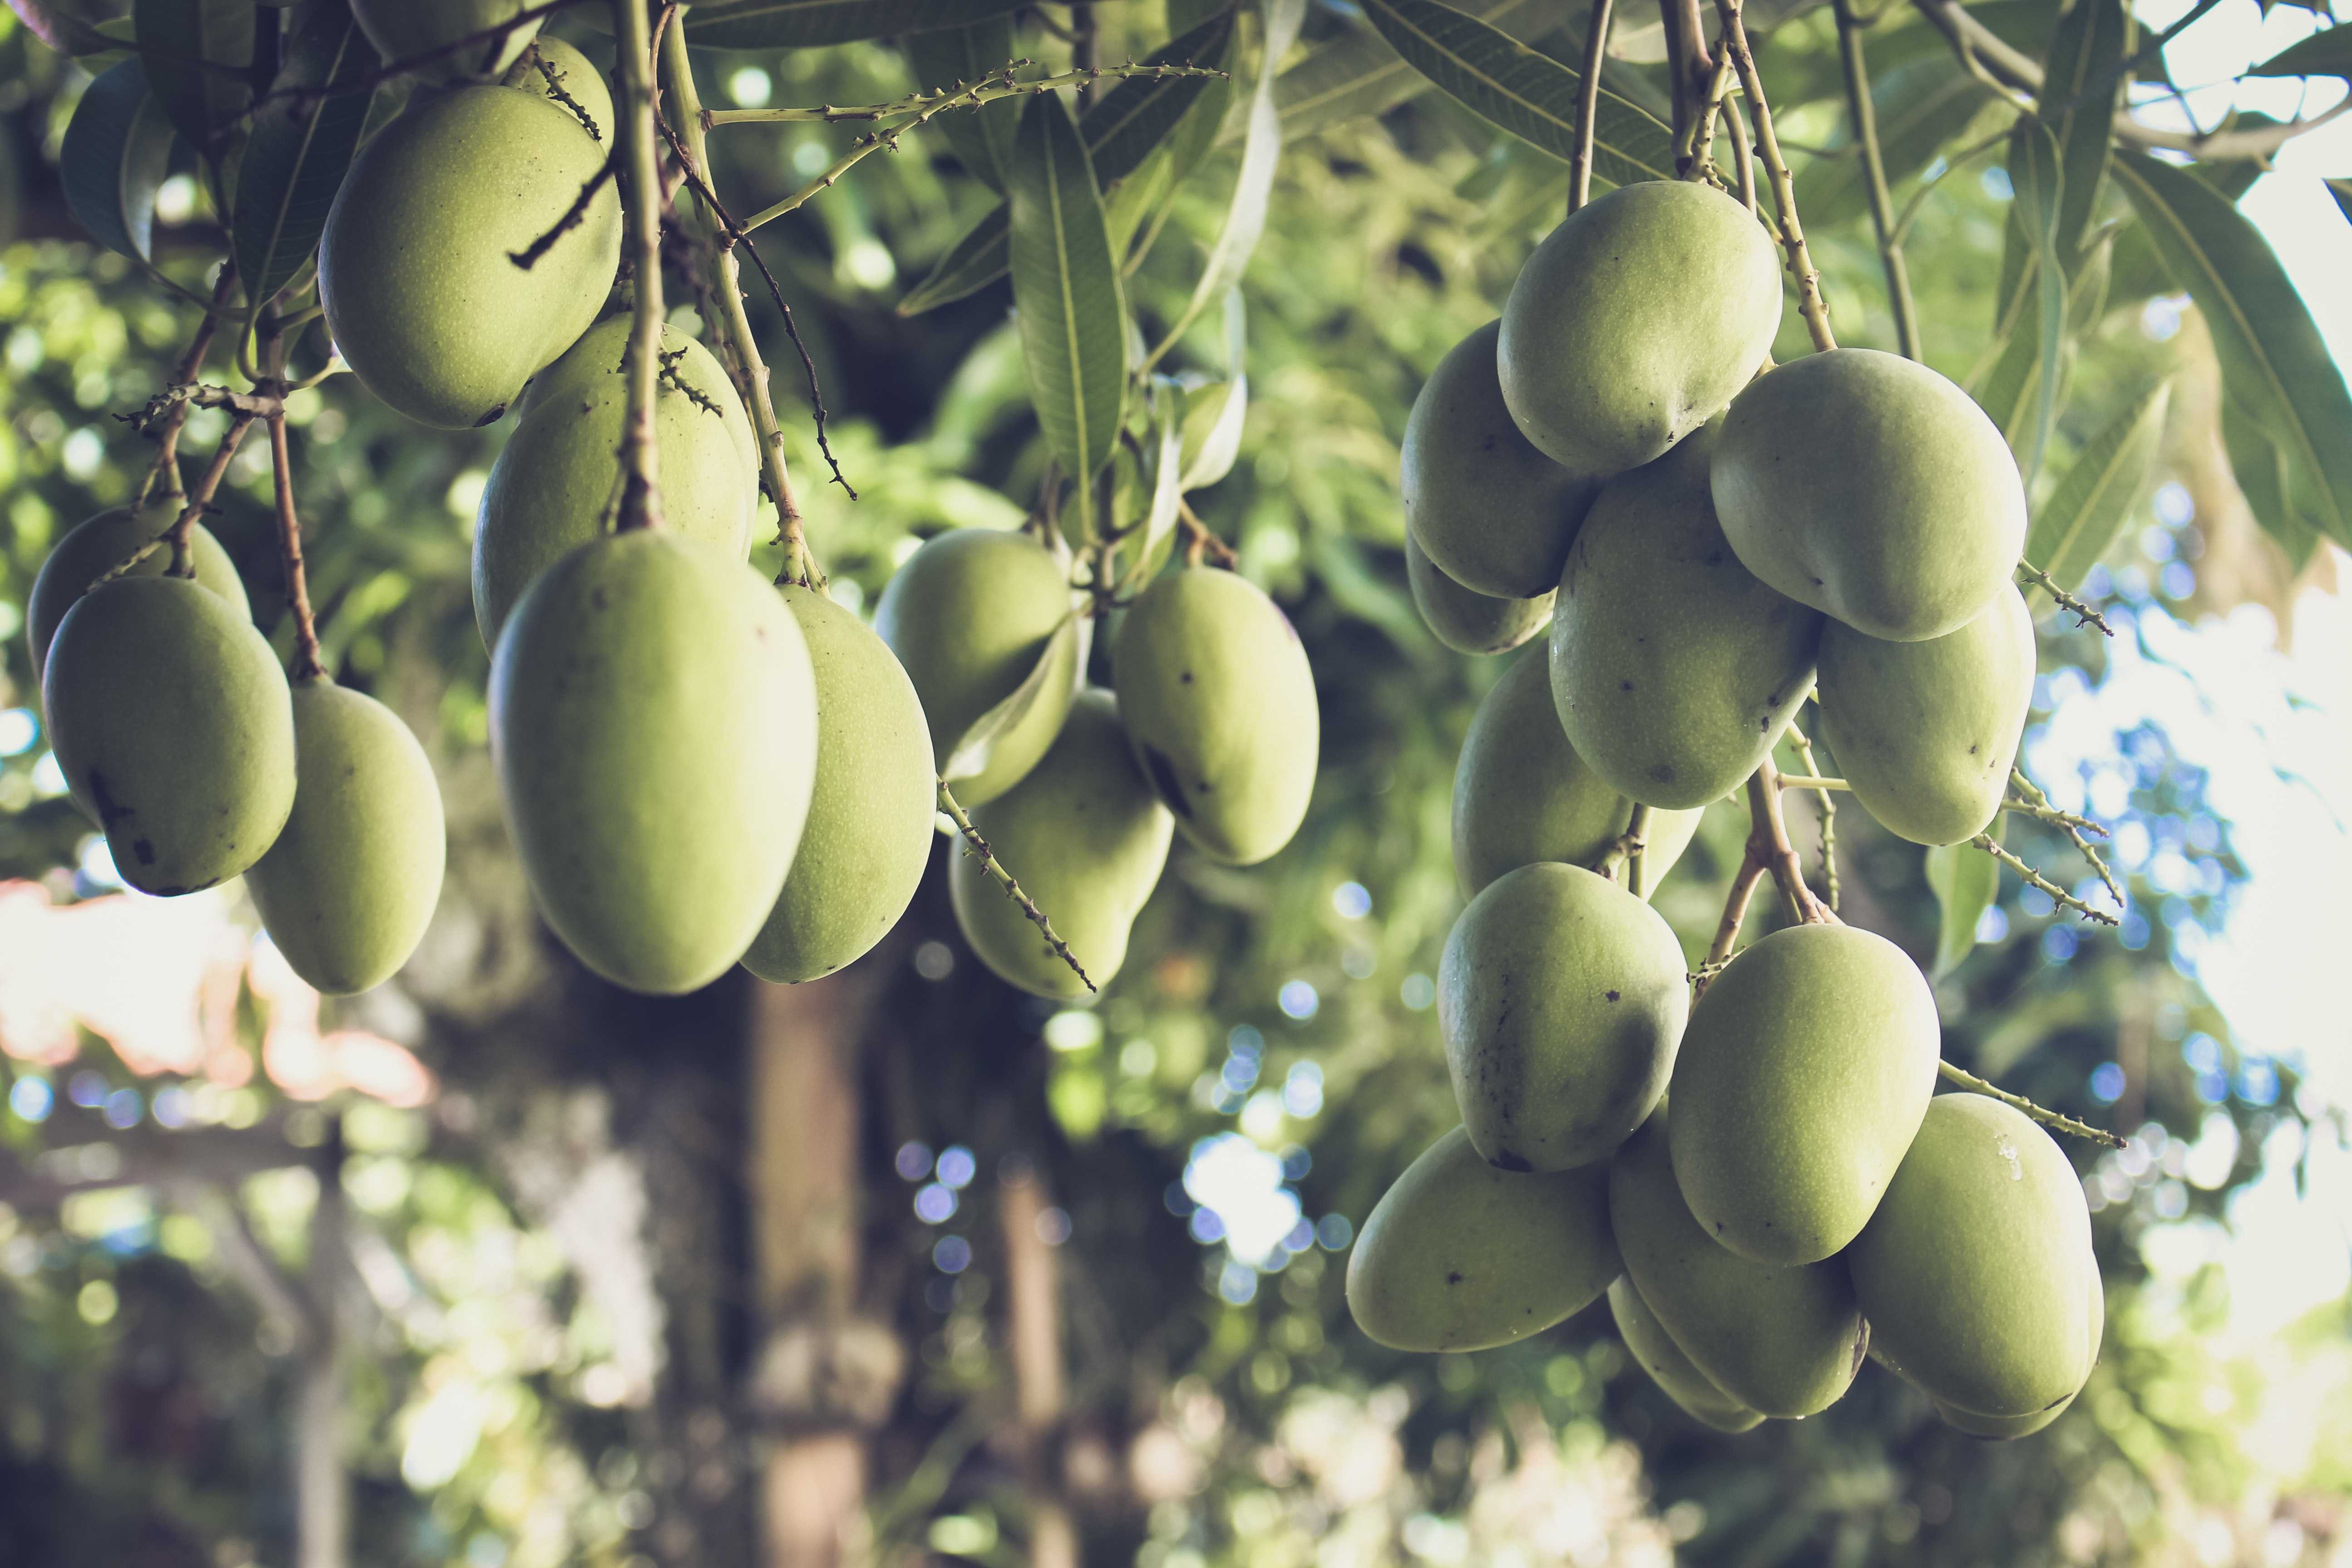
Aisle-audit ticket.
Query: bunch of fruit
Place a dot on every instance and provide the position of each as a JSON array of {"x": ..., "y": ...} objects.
[{"x": 1709, "y": 544}]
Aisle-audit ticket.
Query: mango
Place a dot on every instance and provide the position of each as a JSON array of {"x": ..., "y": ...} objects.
[
  {"x": 416, "y": 270},
  {"x": 557, "y": 483},
  {"x": 1927, "y": 731},
  {"x": 1458, "y": 1256},
  {"x": 1673, "y": 670},
  {"x": 869, "y": 828},
  {"x": 1217, "y": 696},
  {"x": 1634, "y": 322},
  {"x": 582, "y": 82},
  {"x": 96, "y": 546},
  {"x": 1495, "y": 514},
  {"x": 652, "y": 725},
  {"x": 1804, "y": 1072},
  {"x": 2002, "y": 1428},
  {"x": 1977, "y": 1269},
  {"x": 1561, "y": 999},
  {"x": 1467, "y": 621},
  {"x": 1521, "y": 794},
  {"x": 1086, "y": 837},
  {"x": 970, "y": 615},
  {"x": 1871, "y": 488},
  {"x": 405, "y": 29},
  {"x": 1675, "y": 1374},
  {"x": 349, "y": 886},
  {"x": 1783, "y": 1341},
  {"x": 172, "y": 722}
]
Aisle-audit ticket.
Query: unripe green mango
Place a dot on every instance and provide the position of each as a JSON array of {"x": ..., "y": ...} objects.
[
  {"x": 416, "y": 267},
  {"x": 1783, "y": 1341},
  {"x": 653, "y": 722},
  {"x": 1977, "y": 1269},
  {"x": 969, "y": 616},
  {"x": 1521, "y": 794},
  {"x": 1495, "y": 514},
  {"x": 1636, "y": 321},
  {"x": 1085, "y": 838},
  {"x": 172, "y": 722},
  {"x": 1561, "y": 998},
  {"x": 1673, "y": 670},
  {"x": 1669, "y": 1368},
  {"x": 403, "y": 29},
  {"x": 1465, "y": 620},
  {"x": 1927, "y": 731},
  {"x": 349, "y": 886},
  {"x": 1873, "y": 488},
  {"x": 1216, "y": 694},
  {"x": 1458, "y": 1256},
  {"x": 580, "y": 81},
  {"x": 550, "y": 488},
  {"x": 96, "y": 546},
  {"x": 868, "y": 835},
  {"x": 1804, "y": 1072},
  {"x": 2001, "y": 1429}
]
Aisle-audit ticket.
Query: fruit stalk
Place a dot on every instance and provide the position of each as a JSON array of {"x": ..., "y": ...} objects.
[
  {"x": 978, "y": 848},
  {"x": 2048, "y": 1118},
  {"x": 2058, "y": 895},
  {"x": 1588, "y": 106},
  {"x": 308, "y": 665},
  {"x": 2083, "y": 615},
  {"x": 1804, "y": 748},
  {"x": 1865, "y": 114},
  {"x": 166, "y": 466},
  {"x": 1809, "y": 303},
  {"x": 634, "y": 144}
]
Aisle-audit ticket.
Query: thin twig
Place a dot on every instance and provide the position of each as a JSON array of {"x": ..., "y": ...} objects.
[
  {"x": 1865, "y": 116},
  {"x": 2048, "y": 1118},
  {"x": 174, "y": 402},
  {"x": 1624, "y": 852},
  {"x": 1588, "y": 106},
  {"x": 1805, "y": 747},
  {"x": 1201, "y": 540},
  {"x": 556, "y": 90},
  {"x": 640, "y": 452},
  {"x": 1744, "y": 155},
  {"x": 1769, "y": 842},
  {"x": 978, "y": 847},
  {"x": 995, "y": 85},
  {"x": 528, "y": 256},
  {"x": 308, "y": 665},
  {"x": 2037, "y": 805},
  {"x": 2032, "y": 877},
  {"x": 199, "y": 502},
  {"x": 2083, "y": 615},
  {"x": 166, "y": 470},
  {"x": 1696, "y": 157},
  {"x": 1809, "y": 303}
]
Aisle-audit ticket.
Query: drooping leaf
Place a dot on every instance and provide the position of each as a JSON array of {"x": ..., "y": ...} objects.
[
  {"x": 2038, "y": 180},
  {"x": 2088, "y": 49},
  {"x": 2327, "y": 52},
  {"x": 2272, "y": 490},
  {"x": 2140, "y": 272},
  {"x": 1965, "y": 880},
  {"x": 1922, "y": 107},
  {"x": 1154, "y": 541},
  {"x": 297, "y": 153},
  {"x": 118, "y": 148},
  {"x": 958, "y": 56},
  {"x": 810, "y": 24},
  {"x": 2092, "y": 502},
  {"x": 1065, "y": 288},
  {"x": 1358, "y": 74},
  {"x": 1060, "y": 664},
  {"x": 197, "y": 53},
  {"x": 1125, "y": 124}
]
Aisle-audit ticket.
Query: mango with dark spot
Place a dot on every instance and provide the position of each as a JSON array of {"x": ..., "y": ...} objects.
[
  {"x": 96, "y": 546},
  {"x": 1467, "y": 621},
  {"x": 1675, "y": 1373}
]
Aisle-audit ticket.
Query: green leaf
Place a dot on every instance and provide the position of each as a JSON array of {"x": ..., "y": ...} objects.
[
  {"x": 2036, "y": 177},
  {"x": 1358, "y": 74},
  {"x": 2270, "y": 487},
  {"x": 2088, "y": 45},
  {"x": 61, "y": 29},
  {"x": 197, "y": 52},
  {"x": 1133, "y": 117},
  {"x": 1922, "y": 107},
  {"x": 2342, "y": 190},
  {"x": 1065, "y": 289},
  {"x": 118, "y": 148},
  {"x": 969, "y": 265},
  {"x": 294, "y": 163},
  {"x": 958, "y": 56},
  {"x": 2274, "y": 365},
  {"x": 2140, "y": 272},
  {"x": 1060, "y": 664},
  {"x": 1214, "y": 415},
  {"x": 810, "y": 24},
  {"x": 2094, "y": 500},
  {"x": 1965, "y": 880},
  {"x": 2327, "y": 52}
]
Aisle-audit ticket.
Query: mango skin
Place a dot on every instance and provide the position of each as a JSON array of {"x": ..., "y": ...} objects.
[
  {"x": 1927, "y": 731},
  {"x": 549, "y": 489},
  {"x": 1871, "y": 488},
  {"x": 1561, "y": 999},
  {"x": 1458, "y": 1256},
  {"x": 652, "y": 725},
  {"x": 1675, "y": 1374},
  {"x": 1493, "y": 514},
  {"x": 349, "y": 886},
  {"x": 1521, "y": 794},
  {"x": 1978, "y": 1270},
  {"x": 1783, "y": 1341},
  {"x": 99, "y": 544},
  {"x": 1673, "y": 670},
  {"x": 1636, "y": 321},
  {"x": 1806, "y": 1068},
  {"x": 2006, "y": 1428},
  {"x": 1465, "y": 620},
  {"x": 968, "y": 615},
  {"x": 1086, "y": 837},
  {"x": 402, "y": 29},
  {"x": 172, "y": 725},
  {"x": 415, "y": 267},
  {"x": 869, "y": 834},
  {"x": 1217, "y": 696},
  {"x": 579, "y": 78}
]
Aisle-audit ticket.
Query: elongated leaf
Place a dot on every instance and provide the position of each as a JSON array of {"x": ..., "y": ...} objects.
[
  {"x": 2327, "y": 52},
  {"x": 2089, "y": 507},
  {"x": 1213, "y": 416},
  {"x": 118, "y": 148},
  {"x": 1922, "y": 107},
  {"x": 1965, "y": 880},
  {"x": 969, "y": 265},
  {"x": 294, "y": 163},
  {"x": 1059, "y": 666},
  {"x": 1133, "y": 117},
  {"x": 809, "y": 24},
  {"x": 2039, "y": 182},
  {"x": 2274, "y": 492},
  {"x": 1065, "y": 288},
  {"x": 196, "y": 52},
  {"x": 2088, "y": 45},
  {"x": 61, "y": 29},
  {"x": 957, "y": 57},
  {"x": 2274, "y": 365},
  {"x": 1153, "y": 543},
  {"x": 1358, "y": 74},
  {"x": 2140, "y": 272}
]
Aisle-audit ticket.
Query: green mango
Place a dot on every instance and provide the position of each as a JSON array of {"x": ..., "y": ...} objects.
[
  {"x": 1673, "y": 670},
  {"x": 349, "y": 886},
  {"x": 582, "y": 82},
  {"x": 96, "y": 546},
  {"x": 653, "y": 724},
  {"x": 1086, "y": 837},
  {"x": 1458, "y": 1256},
  {"x": 2001, "y": 1429},
  {"x": 172, "y": 722},
  {"x": 1804, "y": 1072},
  {"x": 1871, "y": 488},
  {"x": 405, "y": 29},
  {"x": 1675, "y": 1374},
  {"x": 869, "y": 831},
  {"x": 970, "y": 615},
  {"x": 1466, "y": 621},
  {"x": 1783, "y": 1341},
  {"x": 1636, "y": 321},
  {"x": 416, "y": 270},
  {"x": 1495, "y": 514},
  {"x": 1561, "y": 999},
  {"x": 1977, "y": 1269},
  {"x": 1927, "y": 731},
  {"x": 1218, "y": 697},
  {"x": 554, "y": 486},
  {"x": 1521, "y": 794}
]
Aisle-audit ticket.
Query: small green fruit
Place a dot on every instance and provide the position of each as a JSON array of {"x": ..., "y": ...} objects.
[
  {"x": 97, "y": 546},
  {"x": 1216, "y": 693},
  {"x": 1458, "y": 1256},
  {"x": 2001, "y": 1429},
  {"x": 403, "y": 29},
  {"x": 1669, "y": 1368},
  {"x": 1561, "y": 999},
  {"x": 1467, "y": 621}
]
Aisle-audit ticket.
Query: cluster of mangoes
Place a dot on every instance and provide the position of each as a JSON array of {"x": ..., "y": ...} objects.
[{"x": 1706, "y": 544}]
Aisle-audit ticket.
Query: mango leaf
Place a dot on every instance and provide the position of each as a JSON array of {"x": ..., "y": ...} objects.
[
  {"x": 1065, "y": 288},
  {"x": 197, "y": 54},
  {"x": 2269, "y": 486},
  {"x": 2327, "y": 52},
  {"x": 1159, "y": 533},
  {"x": 2140, "y": 272},
  {"x": 1129, "y": 120},
  {"x": 1213, "y": 416},
  {"x": 2089, "y": 507},
  {"x": 969, "y": 265},
  {"x": 1136, "y": 199},
  {"x": 2274, "y": 365},
  {"x": 1358, "y": 74},
  {"x": 810, "y": 24},
  {"x": 294, "y": 163},
  {"x": 2088, "y": 45},
  {"x": 958, "y": 56},
  {"x": 1965, "y": 880},
  {"x": 2037, "y": 178},
  {"x": 1922, "y": 107},
  {"x": 1059, "y": 665},
  {"x": 61, "y": 29},
  {"x": 118, "y": 149}
]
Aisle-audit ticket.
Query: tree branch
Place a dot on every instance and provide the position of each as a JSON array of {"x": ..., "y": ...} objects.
[
  {"x": 2057, "y": 894},
  {"x": 1809, "y": 303},
  {"x": 1588, "y": 106},
  {"x": 634, "y": 141},
  {"x": 308, "y": 665},
  {"x": 977, "y": 845},
  {"x": 166, "y": 470},
  {"x": 2083, "y": 615},
  {"x": 2048, "y": 1118}
]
